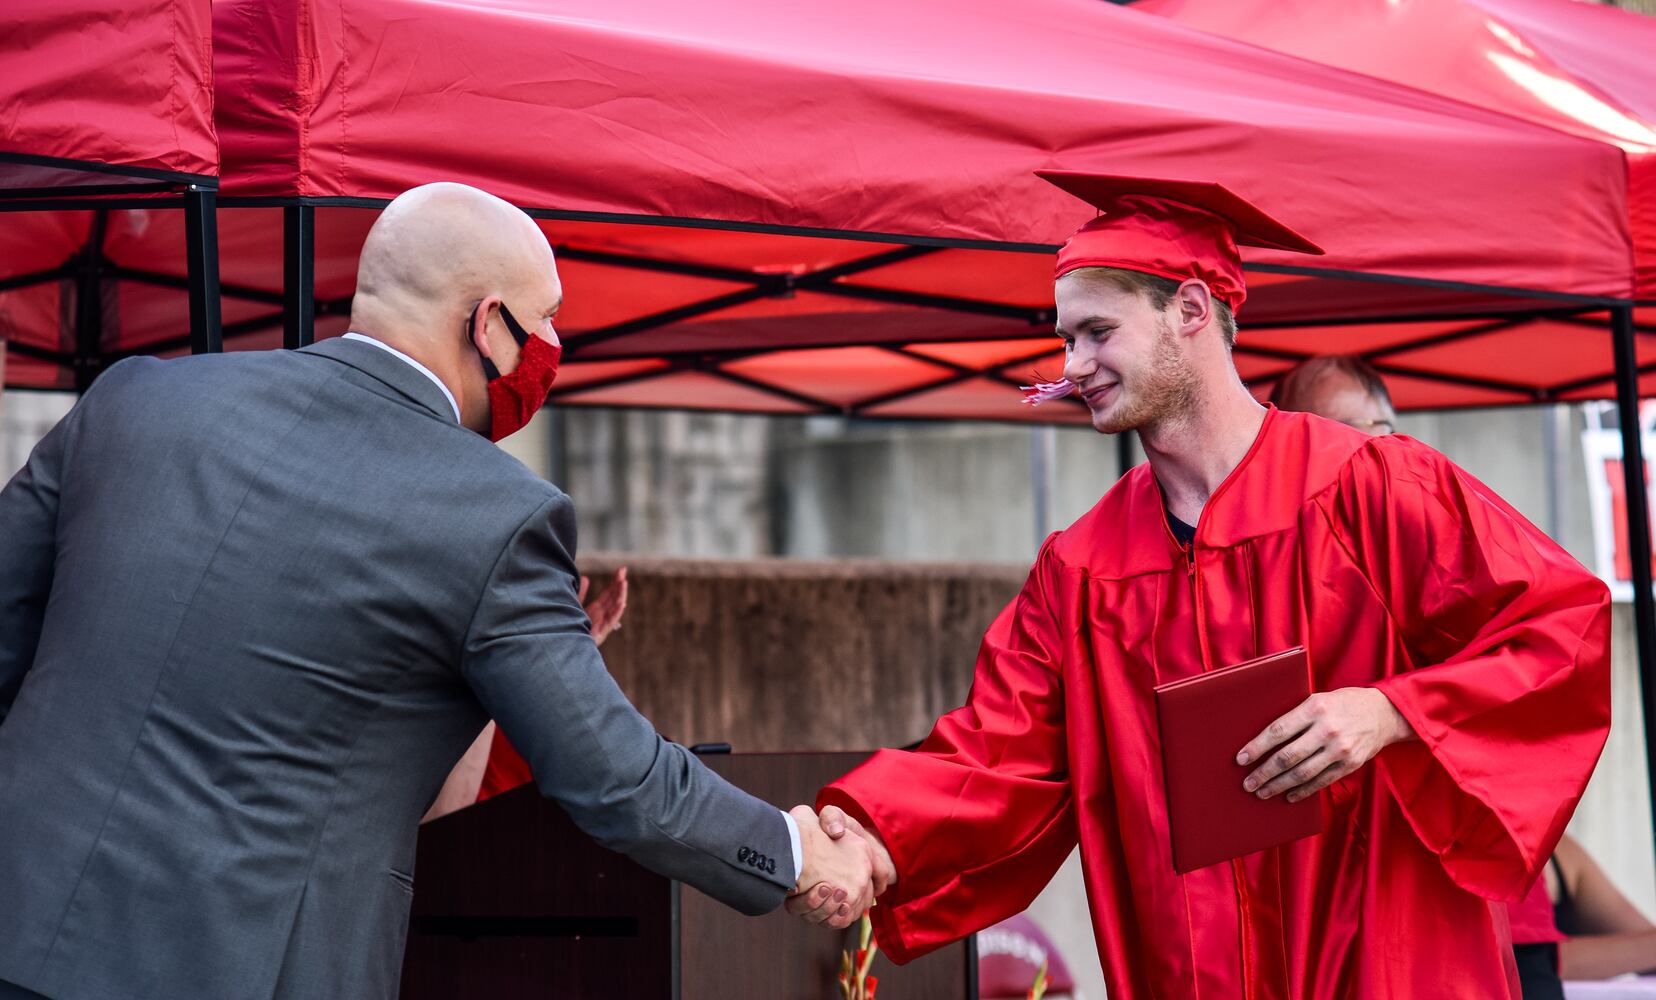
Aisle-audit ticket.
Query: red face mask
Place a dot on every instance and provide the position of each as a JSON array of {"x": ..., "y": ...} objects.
[{"x": 514, "y": 398}]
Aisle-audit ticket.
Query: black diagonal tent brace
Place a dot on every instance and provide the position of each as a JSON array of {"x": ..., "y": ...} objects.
[
  {"x": 89, "y": 300},
  {"x": 102, "y": 188}
]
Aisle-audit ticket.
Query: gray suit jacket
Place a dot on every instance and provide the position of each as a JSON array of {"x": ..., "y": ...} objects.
[{"x": 253, "y": 607}]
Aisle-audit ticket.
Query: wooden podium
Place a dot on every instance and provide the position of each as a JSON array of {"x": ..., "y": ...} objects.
[{"x": 512, "y": 902}]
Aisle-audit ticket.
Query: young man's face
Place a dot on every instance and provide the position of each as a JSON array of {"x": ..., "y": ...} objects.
[{"x": 1123, "y": 355}]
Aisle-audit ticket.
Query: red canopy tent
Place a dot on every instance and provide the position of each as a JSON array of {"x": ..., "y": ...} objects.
[
  {"x": 70, "y": 124},
  {"x": 100, "y": 99},
  {"x": 793, "y": 211},
  {"x": 1578, "y": 68}
]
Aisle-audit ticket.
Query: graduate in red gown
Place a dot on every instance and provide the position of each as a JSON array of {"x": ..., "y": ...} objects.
[{"x": 1459, "y": 663}]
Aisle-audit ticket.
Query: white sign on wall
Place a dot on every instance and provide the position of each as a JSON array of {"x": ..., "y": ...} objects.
[{"x": 1607, "y": 493}]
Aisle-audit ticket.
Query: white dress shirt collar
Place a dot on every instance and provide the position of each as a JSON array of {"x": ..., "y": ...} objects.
[{"x": 422, "y": 369}]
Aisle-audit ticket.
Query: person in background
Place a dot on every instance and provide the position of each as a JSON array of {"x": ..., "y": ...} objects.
[
  {"x": 1340, "y": 387},
  {"x": 1576, "y": 925},
  {"x": 1605, "y": 935}
]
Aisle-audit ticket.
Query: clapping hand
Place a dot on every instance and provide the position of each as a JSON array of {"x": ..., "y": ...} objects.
[{"x": 606, "y": 609}]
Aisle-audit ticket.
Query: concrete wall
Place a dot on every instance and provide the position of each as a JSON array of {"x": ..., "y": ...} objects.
[
  {"x": 917, "y": 491},
  {"x": 1613, "y": 820},
  {"x": 681, "y": 484},
  {"x": 25, "y": 417},
  {"x": 966, "y": 491}
]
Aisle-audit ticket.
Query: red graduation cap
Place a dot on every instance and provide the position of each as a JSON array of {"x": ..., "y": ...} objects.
[{"x": 1173, "y": 229}]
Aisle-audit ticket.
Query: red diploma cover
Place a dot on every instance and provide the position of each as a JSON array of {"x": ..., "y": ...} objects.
[{"x": 1205, "y": 720}]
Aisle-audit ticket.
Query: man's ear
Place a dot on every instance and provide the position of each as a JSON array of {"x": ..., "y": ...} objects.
[
  {"x": 1195, "y": 304},
  {"x": 478, "y": 330}
]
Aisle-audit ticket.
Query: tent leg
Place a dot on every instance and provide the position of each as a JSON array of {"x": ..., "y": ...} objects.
[
  {"x": 89, "y": 303},
  {"x": 298, "y": 276},
  {"x": 201, "y": 241},
  {"x": 1638, "y": 530}
]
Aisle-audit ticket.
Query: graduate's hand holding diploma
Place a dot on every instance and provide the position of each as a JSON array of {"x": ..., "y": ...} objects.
[{"x": 1326, "y": 737}]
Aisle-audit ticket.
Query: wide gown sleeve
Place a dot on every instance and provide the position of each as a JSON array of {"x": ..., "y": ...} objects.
[
  {"x": 1507, "y": 682},
  {"x": 979, "y": 818}
]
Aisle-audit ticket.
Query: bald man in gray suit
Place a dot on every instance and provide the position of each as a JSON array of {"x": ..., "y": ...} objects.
[{"x": 254, "y": 606}]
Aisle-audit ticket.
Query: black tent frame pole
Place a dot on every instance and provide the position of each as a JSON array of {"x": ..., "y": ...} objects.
[
  {"x": 202, "y": 250},
  {"x": 89, "y": 303},
  {"x": 298, "y": 276},
  {"x": 1638, "y": 529}
]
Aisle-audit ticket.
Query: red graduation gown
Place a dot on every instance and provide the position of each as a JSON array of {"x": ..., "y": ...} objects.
[{"x": 1396, "y": 570}]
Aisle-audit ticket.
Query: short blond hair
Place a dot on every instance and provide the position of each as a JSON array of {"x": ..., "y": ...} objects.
[{"x": 1160, "y": 292}]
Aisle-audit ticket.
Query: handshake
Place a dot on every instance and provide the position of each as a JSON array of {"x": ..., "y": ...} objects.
[{"x": 844, "y": 867}]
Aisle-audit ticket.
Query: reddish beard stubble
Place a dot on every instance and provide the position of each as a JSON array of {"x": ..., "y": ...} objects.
[{"x": 1165, "y": 388}]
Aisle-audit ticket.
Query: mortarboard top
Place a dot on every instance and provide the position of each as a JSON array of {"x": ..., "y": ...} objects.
[
  {"x": 1171, "y": 228},
  {"x": 1249, "y": 225}
]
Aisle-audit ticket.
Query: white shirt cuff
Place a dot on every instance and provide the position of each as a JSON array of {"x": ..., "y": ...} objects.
[{"x": 793, "y": 840}]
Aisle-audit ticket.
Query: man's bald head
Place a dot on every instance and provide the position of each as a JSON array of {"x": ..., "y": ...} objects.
[
  {"x": 437, "y": 266},
  {"x": 441, "y": 244},
  {"x": 1340, "y": 387}
]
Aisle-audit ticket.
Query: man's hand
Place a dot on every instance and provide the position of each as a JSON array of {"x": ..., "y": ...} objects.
[
  {"x": 837, "y": 825},
  {"x": 1325, "y": 738},
  {"x": 606, "y": 609},
  {"x": 835, "y": 822},
  {"x": 836, "y": 886}
]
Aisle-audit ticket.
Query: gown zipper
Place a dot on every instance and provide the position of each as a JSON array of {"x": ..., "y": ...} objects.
[{"x": 1243, "y": 901}]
